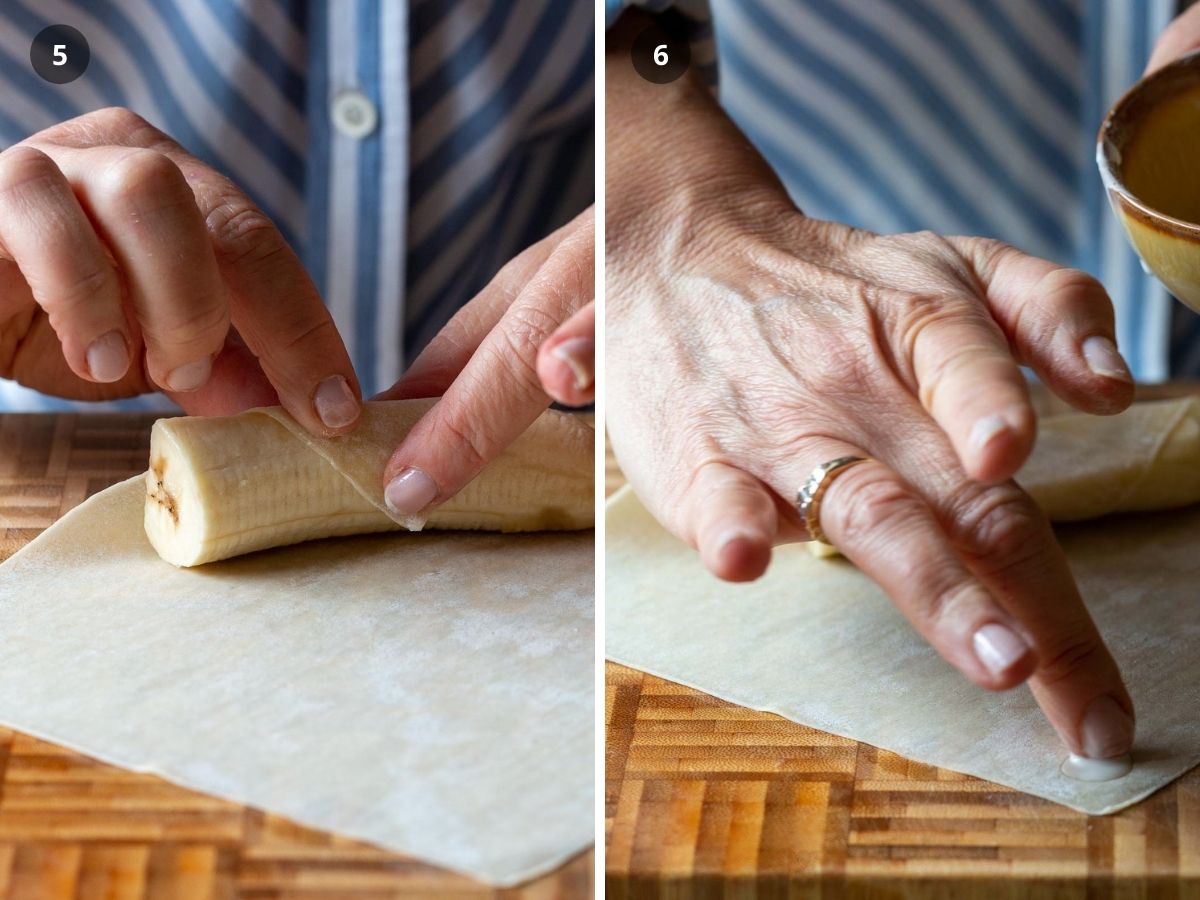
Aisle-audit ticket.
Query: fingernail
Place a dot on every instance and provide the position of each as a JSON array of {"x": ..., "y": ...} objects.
[
  {"x": 732, "y": 537},
  {"x": 998, "y": 648},
  {"x": 335, "y": 403},
  {"x": 108, "y": 357},
  {"x": 190, "y": 376},
  {"x": 409, "y": 492},
  {"x": 578, "y": 353},
  {"x": 1103, "y": 358},
  {"x": 1107, "y": 730},
  {"x": 986, "y": 429}
]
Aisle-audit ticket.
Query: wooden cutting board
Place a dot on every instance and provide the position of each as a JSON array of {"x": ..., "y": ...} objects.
[
  {"x": 71, "y": 827},
  {"x": 704, "y": 798}
]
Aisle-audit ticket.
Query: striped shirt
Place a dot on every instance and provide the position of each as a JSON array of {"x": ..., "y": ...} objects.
[
  {"x": 483, "y": 142},
  {"x": 958, "y": 116}
]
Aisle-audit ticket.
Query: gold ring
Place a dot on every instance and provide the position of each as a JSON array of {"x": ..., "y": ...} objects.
[{"x": 808, "y": 498}]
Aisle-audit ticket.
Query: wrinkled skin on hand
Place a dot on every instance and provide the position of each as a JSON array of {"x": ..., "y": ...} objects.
[
  {"x": 527, "y": 338},
  {"x": 747, "y": 343},
  {"x": 128, "y": 266}
]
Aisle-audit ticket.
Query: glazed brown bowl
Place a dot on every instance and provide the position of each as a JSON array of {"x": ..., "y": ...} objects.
[{"x": 1148, "y": 152}]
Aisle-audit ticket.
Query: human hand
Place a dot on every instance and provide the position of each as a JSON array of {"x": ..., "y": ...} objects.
[
  {"x": 746, "y": 344},
  {"x": 526, "y": 338},
  {"x": 123, "y": 262},
  {"x": 1180, "y": 37}
]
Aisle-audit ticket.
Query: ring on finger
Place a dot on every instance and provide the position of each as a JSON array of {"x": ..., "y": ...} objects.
[{"x": 808, "y": 498}]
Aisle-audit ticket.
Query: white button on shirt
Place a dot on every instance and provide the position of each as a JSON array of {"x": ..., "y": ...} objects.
[{"x": 354, "y": 115}]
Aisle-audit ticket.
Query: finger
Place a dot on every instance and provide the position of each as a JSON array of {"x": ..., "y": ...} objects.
[
  {"x": 566, "y": 362},
  {"x": 46, "y": 232},
  {"x": 729, "y": 516},
  {"x": 237, "y": 384},
  {"x": 1059, "y": 321},
  {"x": 144, "y": 210},
  {"x": 497, "y": 395},
  {"x": 1005, "y": 540},
  {"x": 234, "y": 252},
  {"x": 1180, "y": 37},
  {"x": 434, "y": 370},
  {"x": 279, "y": 313},
  {"x": 970, "y": 384},
  {"x": 884, "y": 527}
]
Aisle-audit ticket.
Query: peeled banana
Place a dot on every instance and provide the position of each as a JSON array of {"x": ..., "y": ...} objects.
[{"x": 219, "y": 487}]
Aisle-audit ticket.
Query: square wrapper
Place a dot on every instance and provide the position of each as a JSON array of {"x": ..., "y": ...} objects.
[
  {"x": 431, "y": 693},
  {"x": 817, "y": 642}
]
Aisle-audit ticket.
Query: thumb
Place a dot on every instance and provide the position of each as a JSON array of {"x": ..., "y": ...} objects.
[{"x": 566, "y": 362}]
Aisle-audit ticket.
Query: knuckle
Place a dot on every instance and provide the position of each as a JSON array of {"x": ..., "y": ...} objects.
[
  {"x": 83, "y": 289},
  {"x": 988, "y": 252},
  {"x": 515, "y": 366},
  {"x": 527, "y": 328},
  {"x": 142, "y": 173},
  {"x": 1079, "y": 288},
  {"x": 306, "y": 336},
  {"x": 530, "y": 324},
  {"x": 1061, "y": 283},
  {"x": 919, "y": 316},
  {"x": 925, "y": 240},
  {"x": 193, "y": 326},
  {"x": 22, "y": 167},
  {"x": 1062, "y": 660},
  {"x": 473, "y": 450},
  {"x": 872, "y": 503},
  {"x": 950, "y": 370},
  {"x": 1062, "y": 294},
  {"x": 1000, "y": 525},
  {"x": 243, "y": 234},
  {"x": 573, "y": 267},
  {"x": 119, "y": 119},
  {"x": 950, "y": 603}
]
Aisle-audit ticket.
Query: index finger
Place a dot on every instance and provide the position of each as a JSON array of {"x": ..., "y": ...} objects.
[
  {"x": 497, "y": 395},
  {"x": 280, "y": 315},
  {"x": 1006, "y": 541},
  {"x": 274, "y": 304}
]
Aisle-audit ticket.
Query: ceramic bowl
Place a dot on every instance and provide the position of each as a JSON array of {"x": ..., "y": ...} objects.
[{"x": 1148, "y": 151}]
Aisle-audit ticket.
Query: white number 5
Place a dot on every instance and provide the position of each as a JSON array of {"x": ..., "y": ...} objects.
[
  {"x": 60, "y": 54},
  {"x": 660, "y": 55}
]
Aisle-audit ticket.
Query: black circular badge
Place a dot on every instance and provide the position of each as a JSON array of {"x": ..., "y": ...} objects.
[
  {"x": 60, "y": 54},
  {"x": 660, "y": 57}
]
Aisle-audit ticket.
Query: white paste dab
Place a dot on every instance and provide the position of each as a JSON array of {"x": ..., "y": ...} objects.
[{"x": 1081, "y": 768}]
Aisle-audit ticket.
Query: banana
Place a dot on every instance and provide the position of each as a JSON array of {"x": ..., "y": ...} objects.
[{"x": 219, "y": 487}]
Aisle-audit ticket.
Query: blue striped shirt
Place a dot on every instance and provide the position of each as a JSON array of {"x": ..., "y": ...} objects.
[
  {"x": 483, "y": 143},
  {"x": 958, "y": 116}
]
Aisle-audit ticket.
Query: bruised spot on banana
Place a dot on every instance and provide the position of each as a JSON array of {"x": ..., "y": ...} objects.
[{"x": 219, "y": 487}]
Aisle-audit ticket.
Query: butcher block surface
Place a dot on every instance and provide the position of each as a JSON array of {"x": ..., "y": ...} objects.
[{"x": 704, "y": 798}]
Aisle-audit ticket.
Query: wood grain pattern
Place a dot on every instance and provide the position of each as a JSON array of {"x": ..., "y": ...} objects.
[
  {"x": 71, "y": 827},
  {"x": 704, "y": 798}
]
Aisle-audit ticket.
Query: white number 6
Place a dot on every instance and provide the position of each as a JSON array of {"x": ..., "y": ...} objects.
[
  {"x": 60, "y": 54},
  {"x": 660, "y": 55}
]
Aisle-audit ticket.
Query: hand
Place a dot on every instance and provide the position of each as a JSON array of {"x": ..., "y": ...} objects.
[
  {"x": 526, "y": 338},
  {"x": 1180, "y": 37},
  {"x": 123, "y": 262},
  {"x": 746, "y": 344}
]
